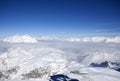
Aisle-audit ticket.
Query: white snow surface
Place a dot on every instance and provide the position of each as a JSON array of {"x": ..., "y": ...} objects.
[
  {"x": 29, "y": 58},
  {"x": 99, "y": 57},
  {"x": 115, "y": 39},
  {"x": 19, "y": 61},
  {"x": 29, "y": 39},
  {"x": 20, "y": 39}
]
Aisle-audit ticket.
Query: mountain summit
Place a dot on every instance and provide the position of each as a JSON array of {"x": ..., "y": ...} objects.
[{"x": 20, "y": 39}]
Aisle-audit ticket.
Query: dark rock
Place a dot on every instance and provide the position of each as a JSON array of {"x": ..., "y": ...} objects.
[
  {"x": 103, "y": 64},
  {"x": 118, "y": 69},
  {"x": 61, "y": 77}
]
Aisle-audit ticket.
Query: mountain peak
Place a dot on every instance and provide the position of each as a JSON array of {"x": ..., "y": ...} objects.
[{"x": 20, "y": 39}]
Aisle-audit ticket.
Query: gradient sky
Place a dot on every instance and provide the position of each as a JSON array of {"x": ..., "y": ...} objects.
[{"x": 60, "y": 17}]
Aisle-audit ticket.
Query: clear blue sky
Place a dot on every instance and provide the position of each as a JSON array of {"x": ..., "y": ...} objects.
[{"x": 60, "y": 17}]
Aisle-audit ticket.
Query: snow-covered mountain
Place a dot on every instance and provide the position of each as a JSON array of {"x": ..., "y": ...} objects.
[
  {"x": 20, "y": 39},
  {"x": 115, "y": 39},
  {"x": 25, "y": 60},
  {"x": 29, "y": 39}
]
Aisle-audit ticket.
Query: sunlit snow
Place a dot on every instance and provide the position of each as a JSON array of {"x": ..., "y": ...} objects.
[
  {"x": 21, "y": 39},
  {"x": 23, "y": 57}
]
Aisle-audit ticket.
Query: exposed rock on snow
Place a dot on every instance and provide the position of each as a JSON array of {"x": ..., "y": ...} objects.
[
  {"x": 102, "y": 57},
  {"x": 102, "y": 64},
  {"x": 37, "y": 73},
  {"x": 103, "y": 60},
  {"x": 40, "y": 61},
  {"x": 32, "y": 60},
  {"x": 20, "y": 39},
  {"x": 61, "y": 77}
]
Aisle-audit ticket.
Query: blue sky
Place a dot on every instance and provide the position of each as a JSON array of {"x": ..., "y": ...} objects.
[{"x": 60, "y": 17}]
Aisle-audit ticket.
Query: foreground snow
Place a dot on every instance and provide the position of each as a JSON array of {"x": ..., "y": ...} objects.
[{"x": 38, "y": 61}]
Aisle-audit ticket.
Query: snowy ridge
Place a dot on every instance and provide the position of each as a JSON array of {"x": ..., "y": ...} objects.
[
  {"x": 39, "y": 61},
  {"x": 98, "y": 39},
  {"x": 95, "y": 39},
  {"x": 29, "y": 39},
  {"x": 25, "y": 60},
  {"x": 100, "y": 57},
  {"x": 20, "y": 39}
]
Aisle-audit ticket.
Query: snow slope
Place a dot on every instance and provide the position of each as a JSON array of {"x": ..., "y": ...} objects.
[
  {"x": 25, "y": 61},
  {"x": 102, "y": 57}
]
